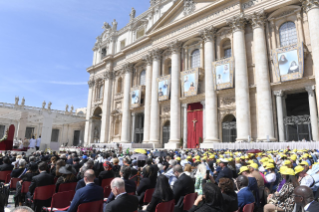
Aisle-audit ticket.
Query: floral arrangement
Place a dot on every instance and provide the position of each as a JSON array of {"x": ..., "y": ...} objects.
[{"x": 4, "y": 137}]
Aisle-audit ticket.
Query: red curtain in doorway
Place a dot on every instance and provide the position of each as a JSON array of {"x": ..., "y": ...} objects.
[{"x": 194, "y": 124}]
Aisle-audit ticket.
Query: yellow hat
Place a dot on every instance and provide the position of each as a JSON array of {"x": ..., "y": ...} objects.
[
  {"x": 204, "y": 158},
  {"x": 304, "y": 163},
  {"x": 246, "y": 157},
  {"x": 221, "y": 156},
  {"x": 230, "y": 159},
  {"x": 242, "y": 169},
  {"x": 293, "y": 157},
  {"x": 271, "y": 161},
  {"x": 287, "y": 162},
  {"x": 304, "y": 156},
  {"x": 197, "y": 157},
  {"x": 178, "y": 158},
  {"x": 270, "y": 166},
  {"x": 250, "y": 161},
  {"x": 237, "y": 159},
  {"x": 254, "y": 165},
  {"x": 217, "y": 160},
  {"x": 197, "y": 161},
  {"x": 189, "y": 157},
  {"x": 211, "y": 157},
  {"x": 242, "y": 157},
  {"x": 282, "y": 168},
  {"x": 288, "y": 171},
  {"x": 298, "y": 169}
]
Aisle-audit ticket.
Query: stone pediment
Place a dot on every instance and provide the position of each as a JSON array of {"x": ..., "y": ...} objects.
[{"x": 180, "y": 10}]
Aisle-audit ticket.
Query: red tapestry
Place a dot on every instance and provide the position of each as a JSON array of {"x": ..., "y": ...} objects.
[
  {"x": 194, "y": 124},
  {"x": 11, "y": 133}
]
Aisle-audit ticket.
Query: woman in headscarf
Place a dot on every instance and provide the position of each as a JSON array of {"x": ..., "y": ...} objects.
[{"x": 67, "y": 176}]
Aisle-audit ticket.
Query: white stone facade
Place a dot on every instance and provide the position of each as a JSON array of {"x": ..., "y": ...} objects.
[{"x": 163, "y": 40}]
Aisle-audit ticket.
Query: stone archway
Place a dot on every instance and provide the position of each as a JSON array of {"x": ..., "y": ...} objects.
[
  {"x": 96, "y": 125},
  {"x": 229, "y": 130},
  {"x": 166, "y": 132}
]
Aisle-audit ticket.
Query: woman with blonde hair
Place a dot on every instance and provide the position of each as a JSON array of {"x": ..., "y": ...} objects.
[{"x": 200, "y": 175}]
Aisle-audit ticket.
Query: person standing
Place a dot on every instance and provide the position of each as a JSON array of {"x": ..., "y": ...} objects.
[
  {"x": 38, "y": 143},
  {"x": 32, "y": 143}
]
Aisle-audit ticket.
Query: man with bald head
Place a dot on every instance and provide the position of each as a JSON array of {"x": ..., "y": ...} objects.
[
  {"x": 90, "y": 193},
  {"x": 244, "y": 195},
  {"x": 123, "y": 202},
  {"x": 304, "y": 198}
]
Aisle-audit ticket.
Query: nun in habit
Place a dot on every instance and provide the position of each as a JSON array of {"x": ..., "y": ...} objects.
[
  {"x": 293, "y": 67},
  {"x": 282, "y": 59}
]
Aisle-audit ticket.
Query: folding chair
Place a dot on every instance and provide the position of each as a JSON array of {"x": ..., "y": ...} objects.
[
  {"x": 60, "y": 201},
  {"x": 249, "y": 207},
  {"x": 148, "y": 195},
  {"x": 67, "y": 187},
  {"x": 95, "y": 206},
  {"x": 188, "y": 201},
  {"x": 13, "y": 183},
  {"x": 165, "y": 206},
  {"x": 3, "y": 175},
  {"x": 106, "y": 185},
  {"x": 42, "y": 193}
]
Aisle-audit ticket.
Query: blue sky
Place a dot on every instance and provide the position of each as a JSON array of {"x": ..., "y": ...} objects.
[{"x": 46, "y": 46}]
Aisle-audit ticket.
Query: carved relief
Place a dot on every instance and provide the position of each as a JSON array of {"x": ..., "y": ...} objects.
[
  {"x": 175, "y": 46},
  {"x": 227, "y": 101},
  {"x": 309, "y": 4},
  {"x": 189, "y": 7},
  {"x": 91, "y": 83},
  {"x": 156, "y": 54},
  {"x": 148, "y": 59},
  {"x": 128, "y": 67},
  {"x": 257, "y": 19},
  {"x": 237, "y": 22},
  {"x": 208, "y": 34}
]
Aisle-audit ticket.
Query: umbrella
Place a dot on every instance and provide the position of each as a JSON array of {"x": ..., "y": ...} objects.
[
  {"x": 141, "y": 151},
  {"x": 139, "y": 156},
  {"x": 253, "y": 151},
  {"x": 160, "y": 154}
]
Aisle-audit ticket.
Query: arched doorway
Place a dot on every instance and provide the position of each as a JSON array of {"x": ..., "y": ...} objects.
[
  {"x": 229, "y": 131},
  {"x": 96, "y": 125},
  {"x": 166, "y": 132},
  {"x": 139, "y": 128}
]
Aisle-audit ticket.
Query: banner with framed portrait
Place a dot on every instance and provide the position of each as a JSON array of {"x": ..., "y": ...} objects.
[
  {"x": 223, "y": 72},
  {"x": 163, "y": 86},
  {"x": 289, "y": 62},
  {"x": 136, "y": 96},
  {"x": 190, "y": 82}
]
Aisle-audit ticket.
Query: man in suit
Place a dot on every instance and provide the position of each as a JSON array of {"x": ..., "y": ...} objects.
[
  {"x": 244, "y": 195},
  {"x": 6, "y": 166},
  {"x": 130, "y": 185},
  {"x": 225, "y": 172},
  {"x": 123, "y": 202},
  {"x": 42, "y": 179},
  {"x": 304, "y": 198},
  {"x": 183, "y": 185},
  {"x": 76, "y": 164},
  {"x": 90, "y": 193},
  {"x": 81, "y": 183}
]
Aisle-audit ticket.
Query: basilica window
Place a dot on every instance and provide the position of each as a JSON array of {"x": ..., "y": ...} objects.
[
  {"x": 288, "y": 34},
  {"x": 100, "y": 92},
  {"x": 117, "y": 127},
  {"x": 55, "y": 135},
  {"x": 226, "y": 48},
  {"x": 140, "y": 33},
  {"x": 195, "y": 58},
  {"x": 122, "y": 44},
  {"x": 142, "y": 77},
  {"x": 227, "y": 53},
  {"x": 103, "y": 53},
  {"x": 119, "y": 85},
  {"x": 167, "y": 67}
]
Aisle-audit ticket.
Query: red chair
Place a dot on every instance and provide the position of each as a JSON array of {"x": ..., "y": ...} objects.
[
  {"x": 3, "y": 175},
  {"x": 249, "y": 207},
  {"x": 13, "y": 183},
  {"x": 8, "y": 177},
  {"x": 55, "y": 179},
  {"x": 95, "y": 206},
  {"x": 165, "y": 206},
  {"x": 132, "y": 193},
  {"x": 148, "y": 195},
  {"x": 106, "y": 185},
  {"x": 67, "y": 187},
  {"x": 60, "y": 201},
  {"x": 41, "y": 193},
  {"x": 188, "y": 201},
  {"x": 25, "y": 187}
]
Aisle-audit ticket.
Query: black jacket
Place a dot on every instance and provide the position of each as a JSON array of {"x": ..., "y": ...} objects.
[
  {"x": 314, "y": 207},
  {"x": 124, "y": 203},
  {"x": 105, "y": 175},
  {"x": 154, "y": 202},
  {"x": 205, "y": 208},
  {"x": 183, "y": 185},
  {"x": 42, "y": 179},
  {"x": 224, "y": 173},
  {"x": 6, "y": 167},
  {"x": 16, "y": 172},
  {"x": 145, "y": 184},
  {"x": 230, "y": 202},
  {"x": 77, "y": 167},
  {"x": 130, "y": 187}
]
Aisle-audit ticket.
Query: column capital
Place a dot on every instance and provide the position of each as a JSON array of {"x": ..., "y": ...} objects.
[
  {"x": 133, "y": 114},
  {"x": 237, "y": 23},
  {"x": 257, "y": 19},
  {"x": 156, "y": 54},
  {"x": 310, "y": 89},
  {"x": 203, "y": 103},
  {"x": 208, "y": 34},
  {"x": 279, "y": 93},
  {"x": 91, "y": 83},
  {"x": 148, "y": 59},
  {"x": 127, "y": 68},
  {"x": 175, "y": 46},
  {"x": 185, "y": 105},
  {"x": 307, "y": 5},
  {"x": 108, "y": 75}
]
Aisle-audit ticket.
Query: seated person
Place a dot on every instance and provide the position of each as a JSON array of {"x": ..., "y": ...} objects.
[
  {"x": 90, "y": 193},
  {"x": 6, "y": 166},
  {"x": 107, "y": 173},
  {"x": 226, "y": 186},
  {"x": 244, "y": 195},
  {"x": 68, "y": 176},
  {"x": 18, "y": 171},
  {"x": 183, "y": 185},
  {"x": 81, "y": 182},
  {"x": 123, "y": 201}
]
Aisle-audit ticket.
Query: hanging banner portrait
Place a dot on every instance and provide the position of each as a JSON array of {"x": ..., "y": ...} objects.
[
  {"x": 163, "y": 86},
  {"x": 136, "y": 95},
  {"x": 190, "y": 82},
  {"x": 223, "y": 72},
  {"x": 289, "y": 62}
]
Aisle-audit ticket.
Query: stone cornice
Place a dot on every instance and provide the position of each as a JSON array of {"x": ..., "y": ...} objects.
[
  {"x": 257, "y": 19},
  {"x": 208, "y": 34},
  {"x": 237, "y": 23},
  {"x": 102, "y": 63},
  {"x": 309, "y": 4}
]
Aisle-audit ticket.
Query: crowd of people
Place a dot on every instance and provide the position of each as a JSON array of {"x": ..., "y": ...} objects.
[{"x": 224, "y": 180}]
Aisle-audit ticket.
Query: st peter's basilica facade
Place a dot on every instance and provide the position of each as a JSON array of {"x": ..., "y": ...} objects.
[{"x": 197, "y": 72}]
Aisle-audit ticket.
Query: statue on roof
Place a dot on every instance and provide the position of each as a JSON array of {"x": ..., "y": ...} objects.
[
  {"x": 106, "y": 26},
  {"x": 72, "y": 108},
  {"x": 16, "y": 100},
  {"x": 153, "y": 2},
  {"x": 66, "y": 108},
  {"x": 43, "y": 104},
  {"x": 114, "y": 25},
  {"x": 133, "y": 13},
  {"x": 22, "y": 102},
  {"x": 49, "y": 105}
]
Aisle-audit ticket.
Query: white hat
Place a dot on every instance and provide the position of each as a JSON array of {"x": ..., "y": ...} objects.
[{"x": 223, "y": 160}]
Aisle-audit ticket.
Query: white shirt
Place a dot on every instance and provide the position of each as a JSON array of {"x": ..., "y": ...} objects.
[
  {"x": 307, "y": 206},
  {"x": 38, "y": 142},
  {"x": 32, "y": 143},
  {"x": 307, "y": 181},
  {"x": 270, "y": 177}
]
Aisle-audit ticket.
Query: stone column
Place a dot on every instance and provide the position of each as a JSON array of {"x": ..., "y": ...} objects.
[
  {"x": 154, "y": 122},
  {"x": 265, "y": 123},
  {"x": 210, "y": 106},
  {"x": 204, "y": 120},
  {"x": 46, "y": 132},
  {"x": 185, "y": 125},
  {"x": 108, "y": 76},
  {"x": 133, "y": 128},
  {"x": 91, "y": 83},
  {"x": 241, "y": 77},
  {"x": 22, "y": 125},
  {"x": 280, "y": 115},
  {"x": 147, "y": 105},
  {"x": 312, "y": 9},
  {"x": 125, "y": 133},
  {"x": 175, "y": 128},
  {"x": 313, "y": 112}
]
